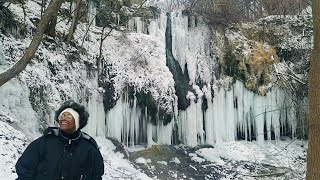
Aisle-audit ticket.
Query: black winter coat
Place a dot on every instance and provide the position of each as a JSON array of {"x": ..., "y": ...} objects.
[{"x": 54, "y": 156}]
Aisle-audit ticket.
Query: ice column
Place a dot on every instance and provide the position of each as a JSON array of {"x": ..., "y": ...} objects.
[
  {"x": 128, "y": 124},
  {"x": 92, "y": 13}
]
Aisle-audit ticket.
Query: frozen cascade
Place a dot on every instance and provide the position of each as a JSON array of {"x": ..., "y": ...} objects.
[
  {"x": 163, "y": 133},
  {"x": 136, "y": 24},
  {"x": 231, "y": 115},
  {"x": 191, "y": 123},
  {"x": 191, "y": 42},
  {"x": 156, "y": 27},
  {"x": 128, "y": 124},
  {"x": 14, "y": 102},
  {"x": 121, "y": 122},
  {"x": 191, "y": 45},
  {"x": 97, "y": 117},
  {"x": 237, "y": 111},
  {"x": 96, "y": 125}
]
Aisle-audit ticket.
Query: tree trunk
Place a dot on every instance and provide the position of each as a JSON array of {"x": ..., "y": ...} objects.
[
  {"x": 74, "y": 22},
  {"x": 26, "y": 58},
  {"x": 100, "y": 48},
  {"x": 51, "y": 26},
  {"x": 313, "y": 161}
]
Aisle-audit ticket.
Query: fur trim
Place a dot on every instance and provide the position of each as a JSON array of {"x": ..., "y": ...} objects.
[{"x": 83, "y": 114}]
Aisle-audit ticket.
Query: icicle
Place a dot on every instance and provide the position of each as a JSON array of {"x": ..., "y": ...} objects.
[
  {"x": 149, "y": 134},
  {"x": 137, "y": 25},
  {"x": 259, "y": 118},
  {"x": 96, "y": 124}
]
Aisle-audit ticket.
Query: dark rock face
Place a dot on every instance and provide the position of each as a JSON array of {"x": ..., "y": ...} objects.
[
  {"x": 120, "y": 147},
  {"x": 39, "y": 102},
  {"x": 106, "y": 82},
  {"x": 108, "y": 96}
]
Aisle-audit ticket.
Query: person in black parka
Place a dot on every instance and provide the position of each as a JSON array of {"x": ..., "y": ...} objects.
[{"x": 64, "y": 152}]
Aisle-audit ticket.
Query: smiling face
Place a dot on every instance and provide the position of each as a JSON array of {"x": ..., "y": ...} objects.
[{"x": 67, "y": 123}]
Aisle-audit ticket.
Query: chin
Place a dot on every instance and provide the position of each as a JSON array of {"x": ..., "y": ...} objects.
[{"x": 64, "y": 129}]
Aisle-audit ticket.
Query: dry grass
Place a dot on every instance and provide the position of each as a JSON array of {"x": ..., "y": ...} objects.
[{"x": 261, "y": 58}]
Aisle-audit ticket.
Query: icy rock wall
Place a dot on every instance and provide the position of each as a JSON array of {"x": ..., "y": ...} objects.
[{"x": 14, "y": 101}]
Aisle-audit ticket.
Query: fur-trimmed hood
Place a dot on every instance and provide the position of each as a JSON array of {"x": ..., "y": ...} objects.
[{"x": 83, "y": 114}]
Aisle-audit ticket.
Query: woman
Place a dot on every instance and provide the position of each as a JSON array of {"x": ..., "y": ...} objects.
[{"x": 64, "y": 152}]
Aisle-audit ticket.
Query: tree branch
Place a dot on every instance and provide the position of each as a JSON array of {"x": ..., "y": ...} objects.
[{"x": 28, "y": 55}]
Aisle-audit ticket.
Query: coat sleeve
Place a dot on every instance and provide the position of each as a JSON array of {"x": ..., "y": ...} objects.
[
  {"x": 98, "y": 169},
  {"x": 27, "y": 164}
]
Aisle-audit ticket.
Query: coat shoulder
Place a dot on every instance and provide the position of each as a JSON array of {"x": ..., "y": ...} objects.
[
  {"x": 51, "y": 131},
  {"x": 90, "y": 139}
]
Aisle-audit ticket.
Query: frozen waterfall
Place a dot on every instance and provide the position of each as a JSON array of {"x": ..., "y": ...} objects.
[{"x": 231, "y": 114}]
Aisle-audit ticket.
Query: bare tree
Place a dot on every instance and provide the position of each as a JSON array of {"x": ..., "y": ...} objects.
[
  {"x": 284, "y": 7},
  {"x": 107, "y": 22},
  {"x": 74, "y": 22},
  {"x": 313, "y": 161},
  {"x": 29, "y": 53},
  {"x": 225, "y": 12},
  {"x": 217, "y": 13}
]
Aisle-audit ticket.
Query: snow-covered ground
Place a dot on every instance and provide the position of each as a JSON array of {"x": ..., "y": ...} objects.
[{"x": 288, "y": 156}]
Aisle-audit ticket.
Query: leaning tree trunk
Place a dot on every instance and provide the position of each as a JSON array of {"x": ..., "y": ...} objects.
[
  {"x": 313, "y": 162},
  {"x": 27, "y": 56}
]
